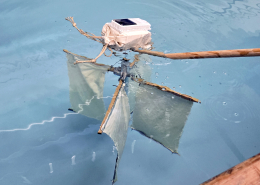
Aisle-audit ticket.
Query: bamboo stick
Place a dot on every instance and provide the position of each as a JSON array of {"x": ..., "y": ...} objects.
[
  {"x": 94, "y": 63},
  {"x": 66, "y": 51},
  {"x": 167, "y": 89},
  {"x": 88, "y": 35},
  {"x": 247, "y": 172},
  {"x": 110, "y": 106},
  {"x": 135, "y": 60},
  {"x": 205, "y": 54}
]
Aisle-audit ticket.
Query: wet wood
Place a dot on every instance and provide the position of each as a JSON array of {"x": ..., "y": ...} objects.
[
  {"x": 206, "y": 54},
  {"x": 94, "y": 63},
  {"x": 111, "y": 105},
  {"x": 87, "y": 34},
  {"x": 149, "y": 52},
  {"x": 167, "y": 89},
  {"x": 135, "y": 60},
  {"x": 66, "y": 51},
  {"x": 247, "y": 172}
]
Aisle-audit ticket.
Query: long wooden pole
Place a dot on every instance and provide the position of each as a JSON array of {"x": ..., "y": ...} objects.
[
  {"x": 205, "y": 54},
  {"x": 110, "y": 106}
]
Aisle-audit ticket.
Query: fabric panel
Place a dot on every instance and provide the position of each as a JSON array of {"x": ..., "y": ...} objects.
[
  {"x": 160, "y": 115},
  {"x": 117, "y": 124},
  {"x": 86, "y": 87}
]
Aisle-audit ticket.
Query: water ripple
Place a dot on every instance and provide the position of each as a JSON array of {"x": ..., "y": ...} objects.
[
  {"x": 45, "y": 145},
  {"x": 53, "y": 118},
  {"x": 234, "y": 106}
]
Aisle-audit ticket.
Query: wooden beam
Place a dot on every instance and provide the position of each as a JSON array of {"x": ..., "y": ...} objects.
[
  {"x": 94, "y": 63},
  {"x": 66, "y": 51},
  {"x": 135, "y": 60},
  {"x": 110, "y": 106},
  {"x": 205, "y": 54},
  {"x": 247, "y": 172},
  {"x": 166, "y": 89}
]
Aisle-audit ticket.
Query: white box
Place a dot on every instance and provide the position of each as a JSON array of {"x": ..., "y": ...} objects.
[
  {"x": 141, "y": 25},
  {"x": 124, "y": 34}
]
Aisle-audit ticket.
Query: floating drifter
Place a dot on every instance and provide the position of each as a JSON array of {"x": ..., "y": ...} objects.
[{"x": 159, "y": 112}]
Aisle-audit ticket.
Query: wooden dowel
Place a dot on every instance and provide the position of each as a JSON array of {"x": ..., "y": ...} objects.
[
  {"x": 205, "y": 54},
  {"x": 66, "y": 51},
  {"x": 167, "y": 89},
  {"x": 94, "y": 63},
  {"x": 110, "y": 106},
  {"x": 135, "y": 60}
]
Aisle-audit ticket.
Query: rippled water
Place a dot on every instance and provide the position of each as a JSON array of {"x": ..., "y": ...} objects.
[{"x": 43, "y": 143}]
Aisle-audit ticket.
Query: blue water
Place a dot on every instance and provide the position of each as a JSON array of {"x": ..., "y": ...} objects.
[{"x": 41, "y": 142}]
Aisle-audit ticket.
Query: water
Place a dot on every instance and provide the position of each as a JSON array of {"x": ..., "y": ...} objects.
[{"x": 37, "y": 130}]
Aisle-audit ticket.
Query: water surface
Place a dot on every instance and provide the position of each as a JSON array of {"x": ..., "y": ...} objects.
[{"x": 44, "y": 143}]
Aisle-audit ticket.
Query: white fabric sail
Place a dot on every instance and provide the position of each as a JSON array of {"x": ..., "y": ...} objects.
[
  {"x": 160, "y": 115},
  {"x": 86, "y": 87},
  {"x": 116, "y": 125}
]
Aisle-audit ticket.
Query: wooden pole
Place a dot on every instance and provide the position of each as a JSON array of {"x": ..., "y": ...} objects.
[
  {"x": 247, "y": 172},
  {"x": 110, "y": 106},
  {"x": 66, "y": 51},
  {"x": 166, "y": 89},
  {"x": 135, "y": 60},
  {"x": 94, "y": 63},
  {"x": 205, "y": 54}
]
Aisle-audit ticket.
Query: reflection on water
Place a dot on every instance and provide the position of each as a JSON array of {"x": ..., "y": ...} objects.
[
  {"x": 51, "y": 168},
  {"x": 34, "y": 89}
]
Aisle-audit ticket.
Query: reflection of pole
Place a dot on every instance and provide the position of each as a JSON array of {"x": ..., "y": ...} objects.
[
  {"x": 205, "y": 54},
  {"x": 246, "y": 172},
  {"x": 110, "y": 106}
]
